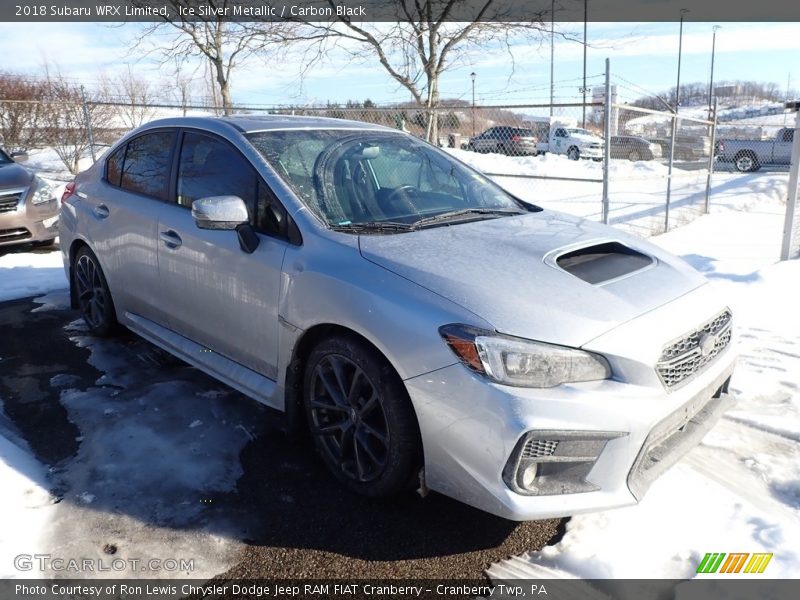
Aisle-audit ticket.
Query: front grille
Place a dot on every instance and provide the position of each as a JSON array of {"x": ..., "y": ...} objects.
[
  {"x": 13, "y": 235},
  {"x": 688, "y": 355},
  {"x": 538, "y": 448},
  {"x": 9, "y": 200}
]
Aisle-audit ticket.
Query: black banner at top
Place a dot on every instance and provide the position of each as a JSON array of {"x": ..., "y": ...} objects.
[{"x": 400, "y": 10}]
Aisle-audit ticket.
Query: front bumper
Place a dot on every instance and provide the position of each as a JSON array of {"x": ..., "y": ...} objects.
[
  {"x": 29, "y": 223},
  {"x": 471, "y": 428},
  {"x": 589, "y": 152}
]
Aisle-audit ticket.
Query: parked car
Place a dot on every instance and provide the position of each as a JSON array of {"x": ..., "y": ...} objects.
[
  {"x": 503, "y": 139},
  {"x": 633, "y": 148},
  {"x": 429, "y": 328},
  {"x": 749, "y": 155},
  {"x": 28, "y": 206}
]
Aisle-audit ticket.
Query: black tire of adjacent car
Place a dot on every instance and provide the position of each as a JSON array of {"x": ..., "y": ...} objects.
[
  {"x": 93, "y": 295},
  {"x": 746, "y": 162},
  {"x": 361, "y": 418}
]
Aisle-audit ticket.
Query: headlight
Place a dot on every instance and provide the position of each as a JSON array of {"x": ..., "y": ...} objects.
[
  {"x": 42, "y": 191},
  {"x": 522, "y": 363}
]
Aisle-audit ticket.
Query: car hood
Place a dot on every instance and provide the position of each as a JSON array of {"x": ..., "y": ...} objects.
[
  {"x": 504, "y": 271},
  {"x": 14, "y": 176},
  {"x": 587, "y": 139}
]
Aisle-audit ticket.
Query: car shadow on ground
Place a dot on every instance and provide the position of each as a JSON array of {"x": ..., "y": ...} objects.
[{"x": 129, "y": 431}]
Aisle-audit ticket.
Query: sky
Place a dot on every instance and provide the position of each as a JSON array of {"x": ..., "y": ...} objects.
[{"x": 644, "y": 59}]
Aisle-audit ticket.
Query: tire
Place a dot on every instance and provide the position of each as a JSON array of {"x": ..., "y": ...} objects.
[
  {"x": 746, "y": 162},
  {"x": 634, "y": 156},
  {"x": 92, "y": 293},
  {"x": 361, "y": 418},
  {"x": 573, "y": 153}
]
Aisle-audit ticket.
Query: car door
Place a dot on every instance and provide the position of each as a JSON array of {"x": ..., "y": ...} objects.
[
  {"x": 218, "y": 295},
  {"x": 122, "y": 217},
  {"x": 485, "y": 142}
]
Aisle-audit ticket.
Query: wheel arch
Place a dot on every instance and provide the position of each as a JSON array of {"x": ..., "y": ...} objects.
[
  {"x": 293, "y": 388},
  {"x": 76, "y": 245}
]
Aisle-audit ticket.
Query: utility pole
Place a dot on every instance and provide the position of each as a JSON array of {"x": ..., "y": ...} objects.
[
  {"x": 472, "y": 76},
  {"x": 584, "y": 88},
  {"x": 552, "y": 50},
  {"x": 711, "y": 81},
  {"x": 674, "y": 125}
]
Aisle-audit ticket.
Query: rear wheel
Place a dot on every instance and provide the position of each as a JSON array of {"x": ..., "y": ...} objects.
[
  {"x": 92, "y": 293},
  {"x": 634, "y": 156},
  {"x": 573, "y": 153},
  {"x": 361, "y": 418},
  {"x": 746, "y": 162}
]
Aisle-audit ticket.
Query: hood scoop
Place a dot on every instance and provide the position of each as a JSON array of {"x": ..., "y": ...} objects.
[{"x": 601, "y": 263}]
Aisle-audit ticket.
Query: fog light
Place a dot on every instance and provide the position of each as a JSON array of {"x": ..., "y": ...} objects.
[
  {"x": 555, "y": 462},
  {"x": 528, "y": 475}
]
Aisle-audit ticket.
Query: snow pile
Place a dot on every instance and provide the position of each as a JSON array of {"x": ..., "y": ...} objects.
[{"x": 24, "y": 273}]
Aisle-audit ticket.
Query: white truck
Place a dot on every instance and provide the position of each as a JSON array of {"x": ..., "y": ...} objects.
[{"x": 573, "y": 141}]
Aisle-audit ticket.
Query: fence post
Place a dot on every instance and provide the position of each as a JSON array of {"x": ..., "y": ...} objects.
[
  {"x": 88, "y": 121},
  {"x": 790, "y": 248},
  {"x": 669, "y": 168},
  {"x": 607, "y": 144},
  {"x": 711, "y": 158}
]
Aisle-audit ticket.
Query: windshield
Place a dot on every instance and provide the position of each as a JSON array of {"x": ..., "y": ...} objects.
[
  {"x": 374, "y": 178},
  {"x": 4, "y": 158}
]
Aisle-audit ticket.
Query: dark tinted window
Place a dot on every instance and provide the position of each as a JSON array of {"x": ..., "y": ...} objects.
[
  {"x": 211, "y": 167},
  {"x": 114, "y": 166},
  {"x": 147, "y": 164}
]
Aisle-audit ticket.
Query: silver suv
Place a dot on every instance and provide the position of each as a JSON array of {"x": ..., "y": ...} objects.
[
  {"x": 427, "y": 327},
  {"x": 28, "y": 206}
]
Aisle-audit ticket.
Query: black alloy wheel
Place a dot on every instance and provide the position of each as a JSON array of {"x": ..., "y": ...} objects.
[{"x": 361, "y": 418}]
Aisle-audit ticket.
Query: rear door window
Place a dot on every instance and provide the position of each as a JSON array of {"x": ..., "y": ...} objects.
[{"x": 147, "y": 165}]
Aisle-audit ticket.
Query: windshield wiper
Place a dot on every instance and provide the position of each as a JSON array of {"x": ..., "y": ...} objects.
[
  {"x": 458, "y": 215},
  {"x": 372, "y": 227}
]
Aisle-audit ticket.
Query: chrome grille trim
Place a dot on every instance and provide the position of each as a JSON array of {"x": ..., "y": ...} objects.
[
  {"x": 691, "y": 353},
  {"x": 11, "y": 199}
]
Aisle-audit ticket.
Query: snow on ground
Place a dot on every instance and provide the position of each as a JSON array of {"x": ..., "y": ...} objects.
[
  {"x": 26, "y": 505},
  {"x": 740, "y": 490},
  {"x": 27, "y": 273}
]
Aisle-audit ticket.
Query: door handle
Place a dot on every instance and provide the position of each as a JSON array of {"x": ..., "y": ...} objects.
[
  {"x": 100, "y": 211},
  {"x": 171, "y": 239}
]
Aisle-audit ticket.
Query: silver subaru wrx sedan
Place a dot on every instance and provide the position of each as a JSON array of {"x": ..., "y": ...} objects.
[{"x": 428, "y": 328}]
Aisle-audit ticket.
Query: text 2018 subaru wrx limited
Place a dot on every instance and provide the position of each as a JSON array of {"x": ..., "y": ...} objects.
[{"x": 423, "y": 323}]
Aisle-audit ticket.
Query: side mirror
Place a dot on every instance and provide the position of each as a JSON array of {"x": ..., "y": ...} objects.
[
  {"x": 227, "y": 213},
  {"x": 219, "y": 212},
  {"x": 19, "y": 157}
]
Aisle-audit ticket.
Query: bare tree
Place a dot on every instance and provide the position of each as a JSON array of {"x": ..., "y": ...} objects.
[
  {"x": 69, "y": 116},
  {"x": 20, "y": 110},
  {"x": 422, "y": 43},
  {"x": 132, "y": 97},
  {"x": 222, "y": 43}
]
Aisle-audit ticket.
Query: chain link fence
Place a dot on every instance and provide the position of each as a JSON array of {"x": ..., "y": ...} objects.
[{"x": 639, "y": 169}]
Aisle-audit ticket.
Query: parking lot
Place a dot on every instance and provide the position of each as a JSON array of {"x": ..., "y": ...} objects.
[{"x": 148, "y": 457}]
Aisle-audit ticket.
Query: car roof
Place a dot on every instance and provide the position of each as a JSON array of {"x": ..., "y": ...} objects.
[{"x": 254, "y": 123}]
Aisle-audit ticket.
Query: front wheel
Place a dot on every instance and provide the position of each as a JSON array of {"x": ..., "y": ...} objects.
[
  {"x": 573, "y": 153},
  {"x": 361, "y": 418},
  {"x": 93, "y": 295}
]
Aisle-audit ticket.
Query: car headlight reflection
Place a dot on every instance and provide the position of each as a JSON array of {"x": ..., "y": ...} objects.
[{"x": 522, "y": 363}]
